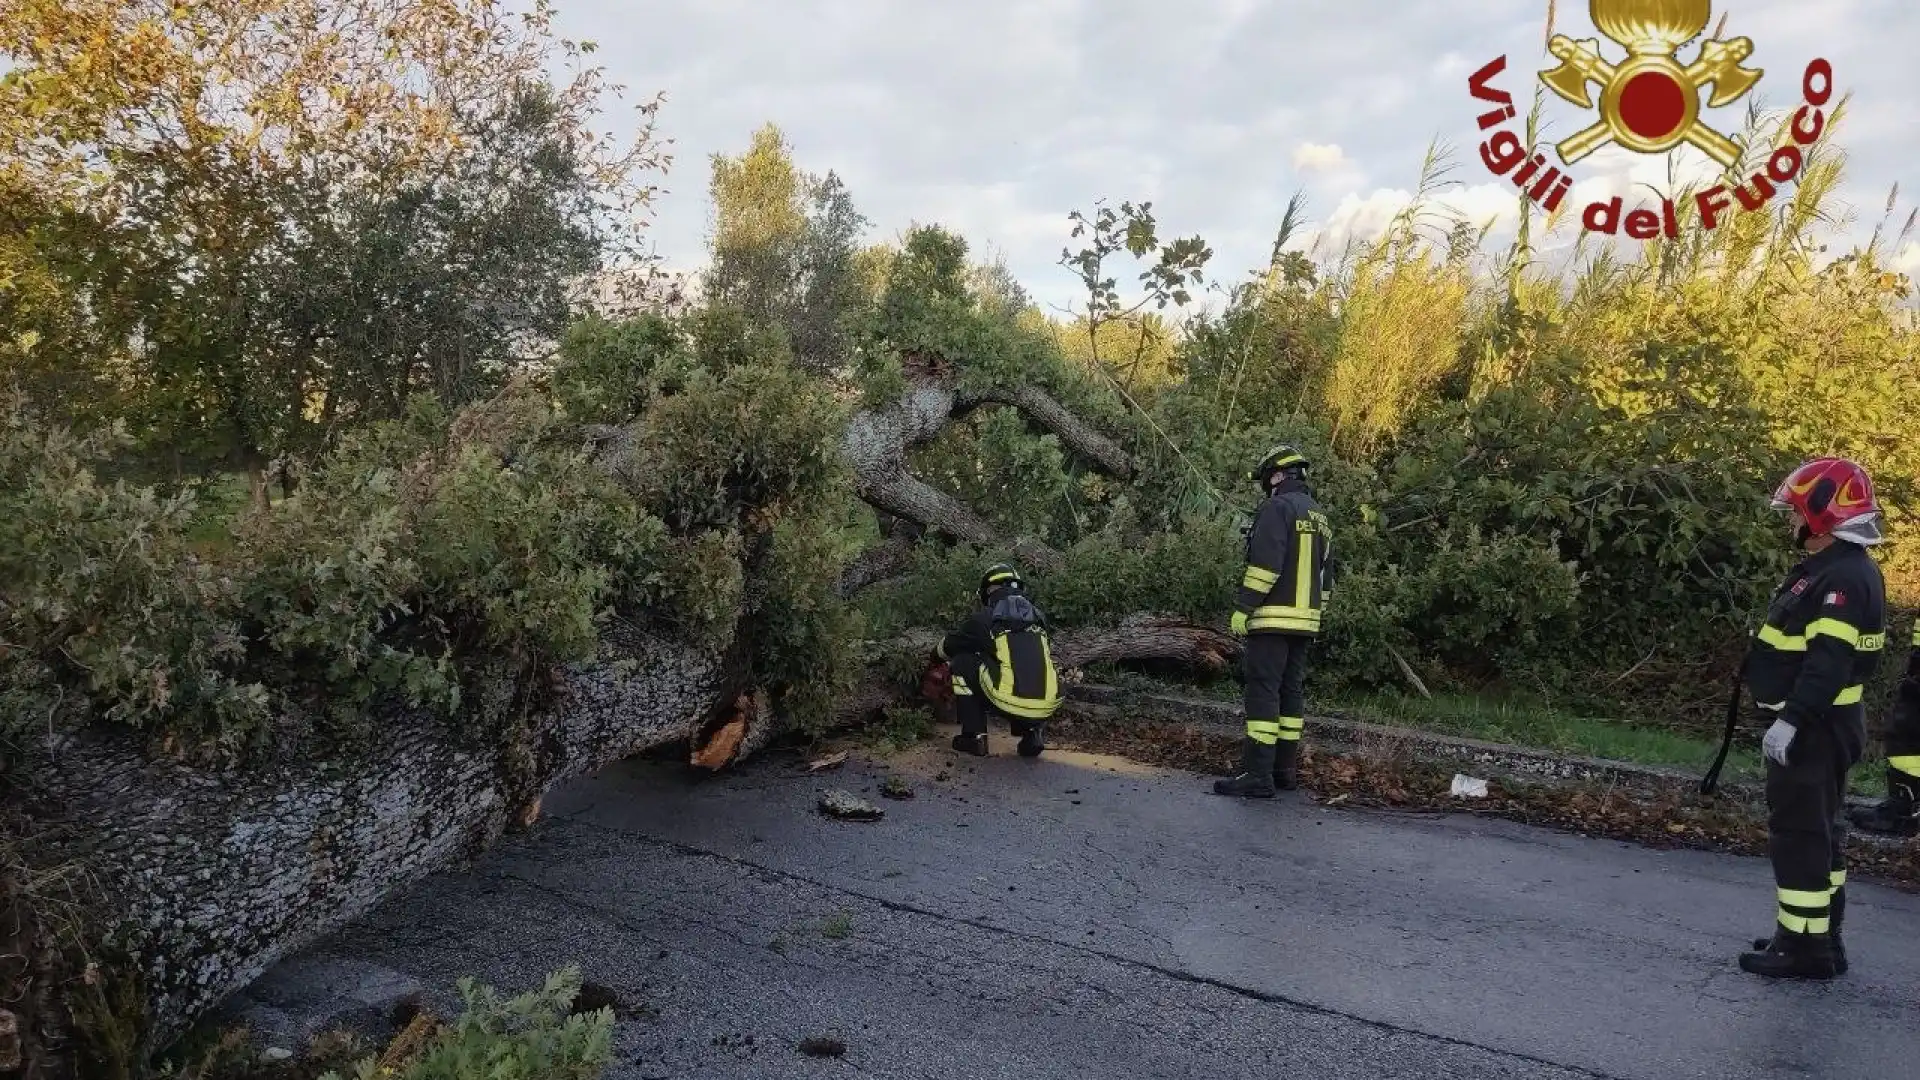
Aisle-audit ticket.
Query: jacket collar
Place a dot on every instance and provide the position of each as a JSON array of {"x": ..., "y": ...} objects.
[{"x": 1834, "y": 552}]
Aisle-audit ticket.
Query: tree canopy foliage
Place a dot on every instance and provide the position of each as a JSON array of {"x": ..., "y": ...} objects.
[
  {"x": 242, "y": 226},
  {"x": 1548, "y": 481}
]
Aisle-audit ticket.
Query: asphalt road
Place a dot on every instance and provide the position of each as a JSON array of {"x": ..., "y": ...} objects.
[{"x": 1083, "y": 917}]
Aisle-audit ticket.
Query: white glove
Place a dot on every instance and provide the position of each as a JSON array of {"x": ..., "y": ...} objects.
[{"x": 1778, "y": 738}]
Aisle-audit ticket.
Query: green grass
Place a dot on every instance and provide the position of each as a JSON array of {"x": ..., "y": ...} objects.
[
  {"x": 1526, "y": 723},
  {"x": 1518, "y": 721},
  {"x": 1542, "y": 727},
  {"x": 219, "y": 501}
]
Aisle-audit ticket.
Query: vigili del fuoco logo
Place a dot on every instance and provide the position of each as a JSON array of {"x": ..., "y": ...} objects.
[{"x": 1649, "y": 102}]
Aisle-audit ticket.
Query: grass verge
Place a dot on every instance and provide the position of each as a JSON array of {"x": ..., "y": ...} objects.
[
  {"x": 1386, "y": 773},
  {"x": 1538, "y": 725},
  {"x": 1542, "y": 727}
]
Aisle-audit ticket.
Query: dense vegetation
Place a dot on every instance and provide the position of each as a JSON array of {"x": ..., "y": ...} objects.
[{"x": 1550, "y": 482}]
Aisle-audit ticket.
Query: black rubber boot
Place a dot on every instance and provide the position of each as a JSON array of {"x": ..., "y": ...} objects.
[
  {"x": 1897, "y": 815},
  {"x": 1256, "y": 772},
  {"x": 971, "y": 744},
  {"x": 1839, "y": 947},
  {"x": 1839, "y": 913},
  {"x": 1031, "y": 742},
  {"x": 1286, "y": 765},
  {"x": 1790, "y": 955}
]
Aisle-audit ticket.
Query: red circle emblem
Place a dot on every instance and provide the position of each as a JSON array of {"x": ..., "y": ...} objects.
[{"x": 1652, "y": 105}]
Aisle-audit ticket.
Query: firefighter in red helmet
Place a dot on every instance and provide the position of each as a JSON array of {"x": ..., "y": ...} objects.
[{"x": 1824, "y": 632}]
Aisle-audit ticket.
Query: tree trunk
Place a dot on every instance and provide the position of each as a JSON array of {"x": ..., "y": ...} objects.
[
  {"x": 257, "y": 482},
  {"x": 1140, "y": 637},
  {"x": 216, "y": 876}
]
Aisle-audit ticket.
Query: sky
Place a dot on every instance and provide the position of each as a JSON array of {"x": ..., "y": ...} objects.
[{"x": 996, "y": 118}]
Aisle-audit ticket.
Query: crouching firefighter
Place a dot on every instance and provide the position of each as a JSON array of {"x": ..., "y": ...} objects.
[
  {"x": 1899, "y": 813},
  {"x": 1824, "y": 632},
  {"x": 1283, "y": 589},
  {"x": 1002, "y": 663}
]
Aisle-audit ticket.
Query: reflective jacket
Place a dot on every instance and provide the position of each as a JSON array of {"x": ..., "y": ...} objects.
[
  {"x": 1823, "y": 636},
  {"x": 1017, "y": 673},
  {"x": 1288, "y": 570}
]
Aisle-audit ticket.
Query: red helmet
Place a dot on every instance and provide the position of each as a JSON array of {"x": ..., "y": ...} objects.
[{"x": 1828, "y": 492}]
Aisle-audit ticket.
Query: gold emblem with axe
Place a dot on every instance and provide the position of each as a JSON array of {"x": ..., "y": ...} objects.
[{"x": 1649, "y": 102}]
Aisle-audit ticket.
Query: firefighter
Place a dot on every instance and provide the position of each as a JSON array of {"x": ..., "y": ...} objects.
[
  {"x": 1001, "y": 659},
  {"x": 1899, "y": 813},
  {"x": 1283, "y": 589},
  {"x": 1823, "y": 636}
]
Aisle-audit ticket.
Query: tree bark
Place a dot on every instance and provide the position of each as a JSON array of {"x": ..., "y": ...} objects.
[
  {"x": 878, "y": 441},
  {"x": 215, "y": 876},
  {"x": 1074, "y": 433}
]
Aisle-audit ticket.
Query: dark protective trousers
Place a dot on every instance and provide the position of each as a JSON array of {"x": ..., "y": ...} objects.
[
  {"x": 1903, "y": 747},
  {"x": 1275, "y": 669},
  {"x": 1806, "y": 834},
  {"x": 970, "y": 705}
]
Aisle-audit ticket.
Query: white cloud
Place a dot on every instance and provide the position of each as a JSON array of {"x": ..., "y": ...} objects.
[
  {"x": 999, "y": 116},
  {"x": 1907, "y": 261},
  {"x": 1313, "y": 157}
]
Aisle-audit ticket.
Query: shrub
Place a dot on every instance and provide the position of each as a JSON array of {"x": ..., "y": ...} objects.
[
  {"x": 530, "y": 1037},
  {"x": 105, "y": 600}
]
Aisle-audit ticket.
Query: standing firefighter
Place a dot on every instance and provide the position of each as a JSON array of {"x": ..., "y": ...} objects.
[
  {"x": 1823, "y": 636},
  {"x": 1282, "y": 592},
  {"x": 1899, "y": 814},
  {"x": 1002, "y": 661}
]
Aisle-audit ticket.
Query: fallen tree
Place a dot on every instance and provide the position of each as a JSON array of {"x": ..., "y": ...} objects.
[
  {"x": 214, "y": 877},
  {"x": 209, "y": 876}
]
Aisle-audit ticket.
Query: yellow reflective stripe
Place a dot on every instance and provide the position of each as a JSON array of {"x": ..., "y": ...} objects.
[
  {"x": 1304, "y": 626},
  {"x": 1800, "y": 924},
  {"x": 1024, "y": 708},
  {"x": 1284, "y": 617},
  {"x": 1833, "y": 628},
  {"x": 1803, "y": 898},
  {"x": 940, "y": 650},
  {"x": 1292, "y": 723},
  {"x": 1906, "y": 763},
  {"x": 1259, "y": 579},
  {"x": 1264, "y": 732},
  {"x": 1916, "y": 634},
  {"x": 1303, "y": 570},
  {"x": 1871, "y": 642},
  {"x": 1284, "y": 611},
  {"x": 1301, "y": 625},
  {"x": 1836, "y": 879},
  {"x": 1780, "y": 639},
  {"x": 1053, "y": 677},
  {"x": 1852, "y": 695},
  {"x": 960, "y": 687}
]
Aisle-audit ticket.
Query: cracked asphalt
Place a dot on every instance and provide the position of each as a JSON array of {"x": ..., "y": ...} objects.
[{"x": 1089, "y": 917}]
